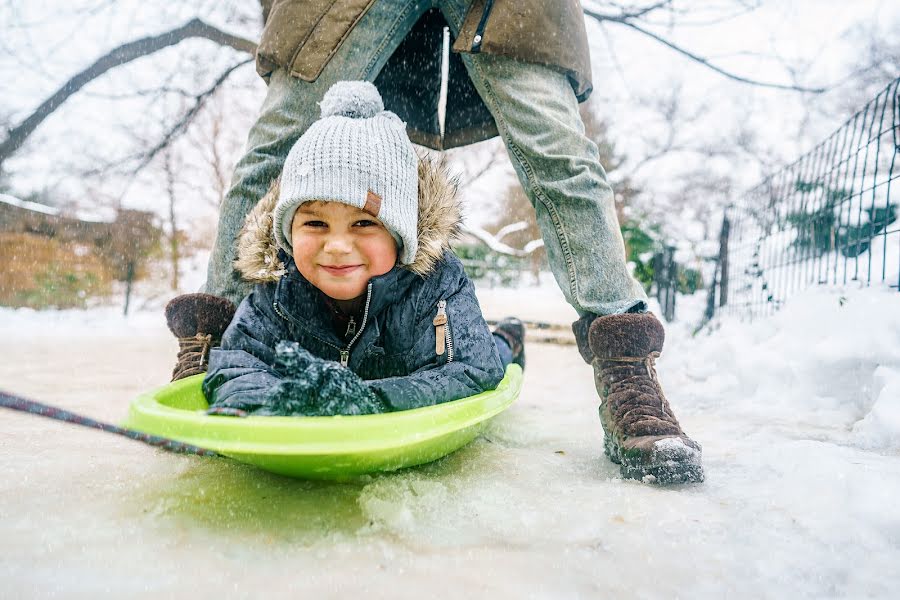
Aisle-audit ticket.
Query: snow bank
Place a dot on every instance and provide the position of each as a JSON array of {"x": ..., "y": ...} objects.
[
  {"x": 830, "y": 360},
  {"x": 105, "y": 321}
]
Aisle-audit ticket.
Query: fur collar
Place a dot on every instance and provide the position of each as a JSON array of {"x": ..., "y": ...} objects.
[{"x": 440, "y": 217}]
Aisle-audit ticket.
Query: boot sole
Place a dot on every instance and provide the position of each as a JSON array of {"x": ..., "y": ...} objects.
[{"x": 668, "y": 464}]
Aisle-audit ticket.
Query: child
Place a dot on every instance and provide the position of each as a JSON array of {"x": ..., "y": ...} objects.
[{"x": 360, "y": 306}]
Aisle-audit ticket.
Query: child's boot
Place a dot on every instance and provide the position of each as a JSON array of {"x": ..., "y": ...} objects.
[
  {"x": 642, "y": 434},
  {"x": 512, "y": 331},
  {"x": 198, "y": 321}
]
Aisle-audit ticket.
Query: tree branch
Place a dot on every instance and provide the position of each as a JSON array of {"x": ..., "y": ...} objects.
[
  {"x": 485, "y": 167},
  {"x": 511, "y": 228},
  {"x": 626, "y": 20},
  {"x": 186, "y": 119},
  {"x": 498, "y": 246},
  {"x": 118, "y": 56}
]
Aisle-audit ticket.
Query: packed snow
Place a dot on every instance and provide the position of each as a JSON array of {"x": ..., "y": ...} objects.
[{"x": 798, "y": 413}]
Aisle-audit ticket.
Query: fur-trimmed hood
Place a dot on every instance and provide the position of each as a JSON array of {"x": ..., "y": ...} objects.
[{"x": 440, "y": 217}]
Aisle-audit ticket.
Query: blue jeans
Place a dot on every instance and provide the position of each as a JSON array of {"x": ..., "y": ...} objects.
[{"x": 537, "y": 116}]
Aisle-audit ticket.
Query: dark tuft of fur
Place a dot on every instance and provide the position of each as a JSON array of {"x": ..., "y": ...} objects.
[
  {"x": 629, "y": 334},
  {"x": 190, "y": 314}
]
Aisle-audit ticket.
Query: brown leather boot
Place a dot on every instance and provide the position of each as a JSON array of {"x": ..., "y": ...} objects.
[
  {"x": 642, "y": 434},
  {"x": 198, "y": 321}
]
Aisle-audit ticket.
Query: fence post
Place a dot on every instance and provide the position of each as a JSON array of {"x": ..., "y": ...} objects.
[
  {"x": 723, "y": 261},
  {"x": 672, "y": 287},
  {"x": 720, "y": 274},
  {"x": 665, "y": 278}
]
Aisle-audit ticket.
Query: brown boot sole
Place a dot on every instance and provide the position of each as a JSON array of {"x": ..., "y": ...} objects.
[
  {"x": 670, "y": 462},
  {"x": 671, "y": 465}
]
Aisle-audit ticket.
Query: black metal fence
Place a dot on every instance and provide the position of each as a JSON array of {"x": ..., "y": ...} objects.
[{"x": 828, "y": 218}]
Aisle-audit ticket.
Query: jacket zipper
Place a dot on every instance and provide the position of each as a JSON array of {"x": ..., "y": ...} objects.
[
  {"x": 344, "y": 352},
  {"x": 479, "y": 31},
  {"x": 442, "y": 340}
]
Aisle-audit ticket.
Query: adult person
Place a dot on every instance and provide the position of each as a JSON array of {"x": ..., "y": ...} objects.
[{"x": 518, "y": 68}]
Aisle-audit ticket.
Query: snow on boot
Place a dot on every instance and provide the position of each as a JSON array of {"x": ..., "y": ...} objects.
[
  {"x": 642, "y": 434},
  {"x": 512, "y": 331},
  {"x": 198, "y": 321}
]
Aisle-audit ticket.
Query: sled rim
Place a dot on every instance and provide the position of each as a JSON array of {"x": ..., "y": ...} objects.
[{"x": 176, "y": 410}]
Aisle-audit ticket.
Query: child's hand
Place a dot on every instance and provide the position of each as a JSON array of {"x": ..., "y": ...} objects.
[{"x": 316, "y": 387}]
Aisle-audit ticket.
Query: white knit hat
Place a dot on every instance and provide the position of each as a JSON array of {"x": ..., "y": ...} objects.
[{"x": 359, "y": 154}]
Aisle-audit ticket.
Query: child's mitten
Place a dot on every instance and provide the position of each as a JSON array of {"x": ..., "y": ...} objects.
[
  {"x": 289, "y": 398},
  {"x": 292, "y": 360},
  {"x": 316, "y": 387},
  {"x": 342, "y": 392}
]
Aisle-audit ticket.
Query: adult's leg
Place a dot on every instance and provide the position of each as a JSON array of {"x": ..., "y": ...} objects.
[
  {"x": 290, "y": 107},
  {"x": 537, "y": 115}
]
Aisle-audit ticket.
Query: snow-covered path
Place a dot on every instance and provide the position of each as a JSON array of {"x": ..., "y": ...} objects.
[{"x": 799, "y": 416}]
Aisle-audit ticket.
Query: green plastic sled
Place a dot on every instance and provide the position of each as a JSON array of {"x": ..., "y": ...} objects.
[{"x": 322, "y": 447}]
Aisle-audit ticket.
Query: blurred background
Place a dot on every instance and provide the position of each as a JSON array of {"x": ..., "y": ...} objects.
[{"x": 750, "y": 144}]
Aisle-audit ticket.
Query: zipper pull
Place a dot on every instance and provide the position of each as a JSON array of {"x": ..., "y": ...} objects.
[
  {"x": 345, "y": 357},
  {"x": 440, "y": 323},
  {"x": 351, "y": 328}
]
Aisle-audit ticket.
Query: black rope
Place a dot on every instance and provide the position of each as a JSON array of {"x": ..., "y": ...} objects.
[{"x": 19, "y": 403}]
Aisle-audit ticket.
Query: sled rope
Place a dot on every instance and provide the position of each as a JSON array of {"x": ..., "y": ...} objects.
[{"x": 14, "y": 402}]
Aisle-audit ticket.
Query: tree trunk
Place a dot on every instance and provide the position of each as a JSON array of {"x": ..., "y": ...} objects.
[
  {"x": 129, "y": 279},
  {"x": 174, "y": 250}
]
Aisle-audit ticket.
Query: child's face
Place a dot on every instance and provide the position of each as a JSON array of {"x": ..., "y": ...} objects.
[{"x": 338, "y": 248}]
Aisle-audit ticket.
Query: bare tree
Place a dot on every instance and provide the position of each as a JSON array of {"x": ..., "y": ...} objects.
[
  {"x": 636, "y": 18},
  {"x": 195, "y": 28},
  {"x": 646, "y": 20},
  {"x": 217, "y": 144}
]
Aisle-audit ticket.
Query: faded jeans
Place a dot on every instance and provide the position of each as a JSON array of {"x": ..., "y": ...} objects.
[{"x": 537, "y": 116}]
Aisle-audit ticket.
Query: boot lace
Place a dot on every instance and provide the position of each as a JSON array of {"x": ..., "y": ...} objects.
[
  {"x": 627, "y": 382},
  {"x": 193, "y": 355}
]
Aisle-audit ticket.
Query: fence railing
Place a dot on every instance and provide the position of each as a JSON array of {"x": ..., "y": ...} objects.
[{"x": 828, "y": 218}]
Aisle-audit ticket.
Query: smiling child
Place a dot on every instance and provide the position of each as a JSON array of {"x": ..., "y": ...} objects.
[{"x": 360, "y": 305}]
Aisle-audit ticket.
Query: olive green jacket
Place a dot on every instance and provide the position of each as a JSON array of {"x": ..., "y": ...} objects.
[{"x": 303, "y": 35}]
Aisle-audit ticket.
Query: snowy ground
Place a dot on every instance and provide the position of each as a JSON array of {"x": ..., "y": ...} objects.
[{"x": 799, "y": 416}]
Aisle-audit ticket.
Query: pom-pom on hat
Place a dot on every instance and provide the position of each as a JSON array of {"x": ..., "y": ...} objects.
[{"x": 359, "y": 154}]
